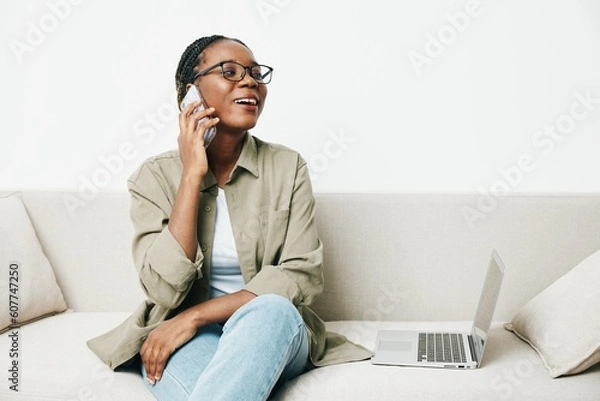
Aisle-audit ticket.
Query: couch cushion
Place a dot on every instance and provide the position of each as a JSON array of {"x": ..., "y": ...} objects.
[
  {"x": 561, "y": 322},
  {"x": 89, "y": 248},
  {"x": 421, "y": 246},
  {"x": 57, "y": 365},
  {"x": 395, "y": 250},
  {"x": 28, "y": 284}
]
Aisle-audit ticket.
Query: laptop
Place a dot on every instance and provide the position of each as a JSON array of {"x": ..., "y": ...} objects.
[{"x": 442, "y": 349}]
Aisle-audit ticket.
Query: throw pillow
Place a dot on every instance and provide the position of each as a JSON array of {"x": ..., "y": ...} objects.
[
  {"x": 28, "y": 287},
  {"x": 561, "y": 322}
]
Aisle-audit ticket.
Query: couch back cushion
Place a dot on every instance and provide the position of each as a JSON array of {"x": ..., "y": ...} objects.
[
  {"x": 88, "y": 243},
  {"x": 387, "y": 256},
  {"x": 414, "y": 257}
]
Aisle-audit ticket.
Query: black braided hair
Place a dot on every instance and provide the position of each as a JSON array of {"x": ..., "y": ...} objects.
[{"x": 190, "y": 58}]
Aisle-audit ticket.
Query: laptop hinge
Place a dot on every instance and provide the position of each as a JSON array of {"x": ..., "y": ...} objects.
[{"x": 474, "y": 355}]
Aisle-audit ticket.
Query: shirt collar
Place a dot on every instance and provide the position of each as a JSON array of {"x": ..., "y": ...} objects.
[{"x": 249, "y": 157}]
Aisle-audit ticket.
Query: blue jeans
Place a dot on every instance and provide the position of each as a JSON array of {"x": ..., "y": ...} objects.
[{"x": 262, "y": 345}]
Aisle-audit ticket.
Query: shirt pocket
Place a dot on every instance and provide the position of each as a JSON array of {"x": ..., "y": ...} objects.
[{"x": 273, "y": 227}]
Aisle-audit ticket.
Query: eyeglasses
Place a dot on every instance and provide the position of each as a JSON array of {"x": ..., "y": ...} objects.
[{"x": 235, "y": 72}]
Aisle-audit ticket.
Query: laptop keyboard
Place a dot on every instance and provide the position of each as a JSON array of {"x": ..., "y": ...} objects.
[{"x": 441, "y": 347}]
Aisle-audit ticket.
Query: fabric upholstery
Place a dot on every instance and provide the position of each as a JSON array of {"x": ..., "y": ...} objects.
[
  {"x": 560, "y": 323},
  {"x": 391, "y": 261},
  {"x": 28, "y": 285}
]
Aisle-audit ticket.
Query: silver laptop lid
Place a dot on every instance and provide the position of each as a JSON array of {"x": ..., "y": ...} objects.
[{"x": 487, "y": 305}]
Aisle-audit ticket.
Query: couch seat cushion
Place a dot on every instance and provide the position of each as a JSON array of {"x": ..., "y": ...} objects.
[
  {"x": 511, "y": 371},
  {"x": 55, "y": 364}
]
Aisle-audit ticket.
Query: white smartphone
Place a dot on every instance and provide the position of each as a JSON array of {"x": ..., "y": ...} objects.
[{"x": 191, "y": 96}]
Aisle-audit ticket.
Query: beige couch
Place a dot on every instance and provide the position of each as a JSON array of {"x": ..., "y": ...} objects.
[{"x": 392, "y": 261}]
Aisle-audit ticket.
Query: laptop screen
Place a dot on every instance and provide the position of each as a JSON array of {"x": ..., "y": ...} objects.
[{"x": 487, "y": 304}]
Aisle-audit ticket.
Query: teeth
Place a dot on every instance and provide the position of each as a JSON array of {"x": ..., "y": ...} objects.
[{"x": 246, "y": 101}]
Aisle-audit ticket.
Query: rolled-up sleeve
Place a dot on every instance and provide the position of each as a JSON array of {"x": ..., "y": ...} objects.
[
  {"x": 295, "y": 270},
  {"x": 166, "y": 274}
]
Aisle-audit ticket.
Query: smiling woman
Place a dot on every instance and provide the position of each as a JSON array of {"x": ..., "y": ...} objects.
[{"x": 226, "y": 248}]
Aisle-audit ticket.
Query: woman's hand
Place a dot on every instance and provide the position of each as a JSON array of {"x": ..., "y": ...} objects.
[
  {"x": 163, "y": 341},
  {"x": 191, "y": 139}
]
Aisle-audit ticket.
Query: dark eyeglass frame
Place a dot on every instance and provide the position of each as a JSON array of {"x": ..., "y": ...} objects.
[{"x": 268, "y": 75}]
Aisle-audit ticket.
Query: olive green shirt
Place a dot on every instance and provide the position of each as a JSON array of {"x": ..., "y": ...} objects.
[{"x": 272, "y": 210}]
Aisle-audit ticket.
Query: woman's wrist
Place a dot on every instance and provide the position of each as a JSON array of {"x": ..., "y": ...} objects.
[
  {"x": 192, "y": 178},
  {"x": 195, "y": 316},
  {"x": 217, "y": 310}
]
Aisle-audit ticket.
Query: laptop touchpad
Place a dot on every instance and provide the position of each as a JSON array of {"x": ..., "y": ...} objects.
[{"x": 395, "y": 346}]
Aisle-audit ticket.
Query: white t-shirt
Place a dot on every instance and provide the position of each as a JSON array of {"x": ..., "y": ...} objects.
[{"x": 225, "y": 274}]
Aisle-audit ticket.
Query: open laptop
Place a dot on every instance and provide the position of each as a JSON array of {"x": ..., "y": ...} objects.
[{"x": 442, "y": 349}]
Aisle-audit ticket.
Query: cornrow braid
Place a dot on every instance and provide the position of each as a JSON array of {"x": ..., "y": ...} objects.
[{"x": 190, "y": 58}]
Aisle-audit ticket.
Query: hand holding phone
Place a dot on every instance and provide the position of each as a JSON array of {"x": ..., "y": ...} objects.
[{"x": 191, "y": 96}]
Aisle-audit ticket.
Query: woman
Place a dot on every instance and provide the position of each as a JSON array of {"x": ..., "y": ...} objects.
[{"x": 226, "y": 248}]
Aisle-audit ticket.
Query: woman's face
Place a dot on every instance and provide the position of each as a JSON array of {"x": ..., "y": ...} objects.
[{"x": 225, "y": 96}]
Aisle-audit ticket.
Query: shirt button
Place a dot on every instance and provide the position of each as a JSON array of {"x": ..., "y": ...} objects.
[
  {"x": 207, "y": 209},
  {"x": 203, "y": 247}
]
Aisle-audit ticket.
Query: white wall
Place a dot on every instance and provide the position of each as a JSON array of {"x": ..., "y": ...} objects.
[{"x": 377, "y": 95}]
